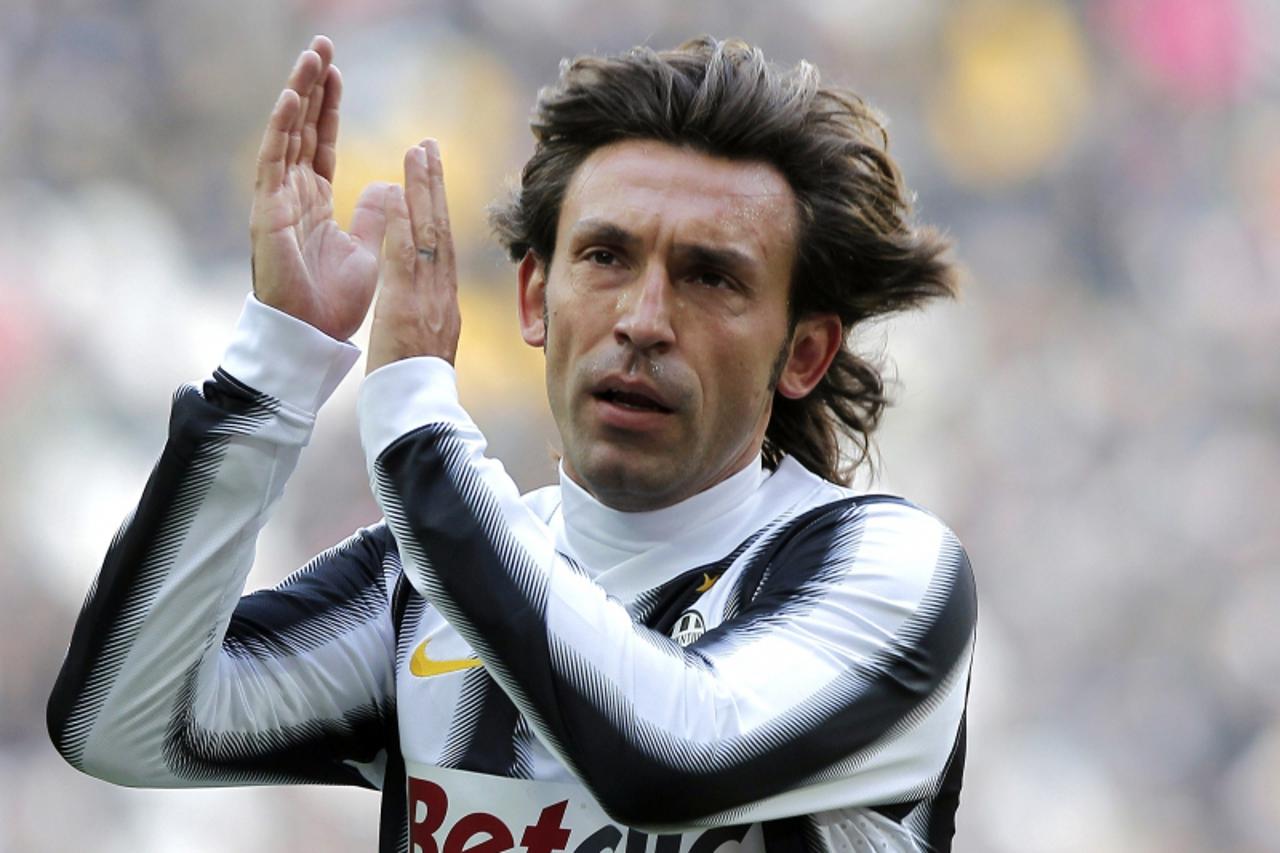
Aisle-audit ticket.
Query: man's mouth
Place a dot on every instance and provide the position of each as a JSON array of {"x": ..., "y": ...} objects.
[{"x": 634, "y": 400}]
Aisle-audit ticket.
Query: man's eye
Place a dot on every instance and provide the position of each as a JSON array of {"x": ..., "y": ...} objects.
[
  {"x": 602, "y": 257},
  {"x": 707, "y": 278}
]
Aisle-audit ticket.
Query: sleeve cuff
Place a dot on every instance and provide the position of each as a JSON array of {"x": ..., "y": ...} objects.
[
  {"x": 402, "y": 396},
  {"x": 284, "y": 357}
]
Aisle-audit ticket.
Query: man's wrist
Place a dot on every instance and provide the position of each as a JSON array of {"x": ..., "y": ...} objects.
[
  {"x": 404, "y": 395},
  {"x": 286, "y": 358}
]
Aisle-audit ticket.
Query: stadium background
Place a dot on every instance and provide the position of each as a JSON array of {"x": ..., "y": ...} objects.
[{"x": 1097, "y": 417}]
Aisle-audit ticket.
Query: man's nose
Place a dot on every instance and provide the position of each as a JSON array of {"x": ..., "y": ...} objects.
[{"x": 645, "y": 311}]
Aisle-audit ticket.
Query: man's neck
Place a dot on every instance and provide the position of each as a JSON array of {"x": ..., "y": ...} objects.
[{"x": 601, "y": 537}]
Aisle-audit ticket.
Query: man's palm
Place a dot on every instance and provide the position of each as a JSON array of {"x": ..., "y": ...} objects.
[{"x": 303, "y": 263}]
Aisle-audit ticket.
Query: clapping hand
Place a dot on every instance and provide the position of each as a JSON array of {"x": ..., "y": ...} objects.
[
  {"x": 306, "y": 266},
  {"x": 417, "y": 311},
  {"x": 303, "y": 263}
]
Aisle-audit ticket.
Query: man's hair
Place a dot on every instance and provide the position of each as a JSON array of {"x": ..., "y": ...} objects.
[{"x": 857, "y": 253}]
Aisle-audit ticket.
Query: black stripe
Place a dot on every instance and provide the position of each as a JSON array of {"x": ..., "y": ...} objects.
[
  {"x": 523, "y": 741},
  {"x": 772, "y": 559},
  {"x": 942, "y": 816},
  {"x": 466, "y": 711},
  {"x": 312, "y": 752},
  {"x": 336, "y": 592},
  {"x": 653, "y": 791},
  {"x": 429, "y": 513},
  {"x": 786, "y": 835},
  {"x": 491, "y": 747},
  {"x": 315, "y": 751},
  {"x": 424, "y": 503},
  {"x": 393, "y": 813},
  {"x": 142, "y": 553}
]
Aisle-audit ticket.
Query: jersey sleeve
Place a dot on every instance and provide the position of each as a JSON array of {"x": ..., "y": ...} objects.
[
  {"x": 842, "y": 683},
  {"x": 173, "y": 679}
]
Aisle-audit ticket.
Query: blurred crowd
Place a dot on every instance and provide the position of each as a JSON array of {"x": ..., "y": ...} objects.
[{"x": 1098, "y": 416}]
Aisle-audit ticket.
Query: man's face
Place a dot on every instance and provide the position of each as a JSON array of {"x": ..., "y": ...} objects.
[{"x": 666, "y": 318}]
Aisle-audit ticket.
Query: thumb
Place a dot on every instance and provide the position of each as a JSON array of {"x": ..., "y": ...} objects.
[
  {"x": 399, "y": 254},
  {"x": 369, "y": 220}
]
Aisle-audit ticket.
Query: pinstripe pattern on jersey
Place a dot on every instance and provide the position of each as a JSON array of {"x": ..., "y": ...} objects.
[
  {"x": 935, "y": 819},
  {"x": 464, "y": 518},
  {"x": 658, "y": 609},
  {"x": 340, "y": 591},
  {"x": 143, "y": 550},
  {"x": 466, "y": 714},
  {"x": 491, "y": 746},
  {"x": 787, "y": 567},
  {"x": 410, "y": 607},
  {"x": 754, "y": 556},
  {"x": 310, "y": 608},
  {"x": 499, "y": 606},
  {"x": 393, "y": 811},
  {"x": 522, "y": 745},
  {"x": 813, "y": 839},
  {"x": 344, "y": 590},
  {"x": 313, "y": 751}
]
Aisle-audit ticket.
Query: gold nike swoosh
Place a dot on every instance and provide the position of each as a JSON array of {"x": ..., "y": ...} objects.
[
  {"x": 708, "y": 581},
  {"x": 424, "y": 667}
]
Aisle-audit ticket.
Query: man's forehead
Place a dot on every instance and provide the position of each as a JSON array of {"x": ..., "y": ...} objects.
[{"x": 639, "y": 180}]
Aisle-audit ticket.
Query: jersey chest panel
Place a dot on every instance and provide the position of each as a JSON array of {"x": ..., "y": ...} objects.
[
  {"x": 442, "y": 690},
  {"x": 440, "y": 680}
]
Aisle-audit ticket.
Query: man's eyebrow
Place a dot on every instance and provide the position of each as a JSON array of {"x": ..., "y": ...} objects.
[
  {"x": 716, "y": 257},
  {"x": 601, "y": 231}
]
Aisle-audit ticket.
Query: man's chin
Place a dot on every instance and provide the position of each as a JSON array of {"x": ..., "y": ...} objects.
[{"x": 630, "y": 484}]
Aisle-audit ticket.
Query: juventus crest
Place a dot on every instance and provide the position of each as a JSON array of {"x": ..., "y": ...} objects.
[{"x": 689, "y": 627}]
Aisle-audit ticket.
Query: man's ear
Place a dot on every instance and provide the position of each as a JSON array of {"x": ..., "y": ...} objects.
[
  {"x": 817, "y": 339},
  {"x": 531, "y": 280}
]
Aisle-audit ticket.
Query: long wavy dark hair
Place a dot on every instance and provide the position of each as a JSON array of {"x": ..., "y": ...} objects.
[{"x": 858, "y": 253}]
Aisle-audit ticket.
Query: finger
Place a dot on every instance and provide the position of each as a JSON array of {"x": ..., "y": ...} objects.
[
  {"x": 369, "y": 221},
  {"x": 417, "y": 188},
  {"x": 275, "y": 142},
  {"x": 439, "y": 206},
  {"x": 326, "y": 159},
  {"x": 323, "y": 46},
  {"x": 400, "y": 254},
  {"x": 306, "y": 72},
  {"x": 315, "y": 100}
]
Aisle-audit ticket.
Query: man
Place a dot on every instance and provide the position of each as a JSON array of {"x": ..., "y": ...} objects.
[{"x": 699, "y": 634}]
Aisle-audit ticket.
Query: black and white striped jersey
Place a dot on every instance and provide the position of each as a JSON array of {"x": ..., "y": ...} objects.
[{"x": 774, "y": 663}]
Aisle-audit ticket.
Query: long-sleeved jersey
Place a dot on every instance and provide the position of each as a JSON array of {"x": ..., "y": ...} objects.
[{"x": 776, "y": 663}]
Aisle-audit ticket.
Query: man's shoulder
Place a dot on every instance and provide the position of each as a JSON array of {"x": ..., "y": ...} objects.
[
  {"x": 826, "y": 502},
  {"x": 874, "y": 532}
]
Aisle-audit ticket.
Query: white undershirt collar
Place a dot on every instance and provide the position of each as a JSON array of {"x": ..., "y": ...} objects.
[{"x": 600, "y": 537}]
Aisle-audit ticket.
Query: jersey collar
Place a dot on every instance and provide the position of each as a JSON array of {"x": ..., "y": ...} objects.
[{"x": 601, "y": 538}]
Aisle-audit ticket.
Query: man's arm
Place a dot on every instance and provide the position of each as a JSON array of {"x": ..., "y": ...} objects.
[
  {"x": 841, "y": 684},
  {"x": 168, "y": 679}
]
